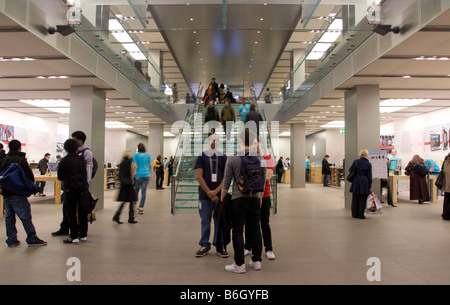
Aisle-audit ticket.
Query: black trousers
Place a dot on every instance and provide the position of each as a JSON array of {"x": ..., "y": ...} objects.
[
  {"x": 159, "y": 178},
  {"x": 130, "y": 211},
  {"x": 246, "y": 210},
  {"x": 446, "y": 210},
  {"x": 78, "y": 222},
  {"x": 170, "y": 177},
  {"x": 358, "y": 205},
  {"x": 265, "y": 227}
]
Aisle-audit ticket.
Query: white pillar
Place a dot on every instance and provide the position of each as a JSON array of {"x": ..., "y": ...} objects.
[
  {"x": 87, "y": 113},
  {"x": 155, "y": 146},
  {"x": 362, "y": 127},
  {"x": 298, "y": 150}
]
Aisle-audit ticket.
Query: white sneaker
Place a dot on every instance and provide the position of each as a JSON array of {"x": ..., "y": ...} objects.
[
  {"x": 235, "y": 268},
  {"x": 255, "y": 265},
  {"x": 83, "y": 239},
  {"x": 270, "y": 255},
  {"x": 247, "y": 252}
]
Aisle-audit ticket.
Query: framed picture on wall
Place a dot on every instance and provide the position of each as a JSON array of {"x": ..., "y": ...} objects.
[{"x": 6, "y": 132}]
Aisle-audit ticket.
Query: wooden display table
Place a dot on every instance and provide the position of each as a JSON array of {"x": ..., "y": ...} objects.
[
  {"x": 315, "y": 174},
  {"x": 393, "y": 184},
  {"x": 335, "y": 176},
  {"x": 1, "y": 206},
  {"x": 286, "y": 176},
  {"x": 52, "y": 178}
]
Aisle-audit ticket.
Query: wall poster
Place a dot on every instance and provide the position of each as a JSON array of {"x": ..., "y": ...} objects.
[{"x": 378, "y": 159}]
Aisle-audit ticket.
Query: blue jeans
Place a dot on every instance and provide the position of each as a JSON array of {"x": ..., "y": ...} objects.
[
  {"x": 18, "y": 205},
  {"x": 206, "y": 211},
  {"x": 41, "y": 185},
  {"x": 141, "y": 183},
  {"x": 326, "y": 180}
]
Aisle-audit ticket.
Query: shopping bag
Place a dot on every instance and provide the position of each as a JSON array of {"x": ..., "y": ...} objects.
[{"x": 373, "y": 204}]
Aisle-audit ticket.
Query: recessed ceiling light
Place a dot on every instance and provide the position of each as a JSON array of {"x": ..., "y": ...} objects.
[
  {"x": 192, "y": 19},
  {"x": 261, "y": 19}
]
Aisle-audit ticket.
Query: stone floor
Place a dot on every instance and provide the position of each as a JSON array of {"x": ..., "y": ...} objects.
[{"x": 315, "y": 242}]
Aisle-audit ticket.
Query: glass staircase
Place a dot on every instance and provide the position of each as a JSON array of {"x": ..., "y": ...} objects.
[{"x": 192, "y": 141}]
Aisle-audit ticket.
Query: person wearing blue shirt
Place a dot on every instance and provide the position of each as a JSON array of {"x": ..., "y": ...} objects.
[
  {"x": 141, "y": 166},
  {"x": 244, "y": 109},
  {"x": 433, "y": 169},
  {"x": 393, "y": 161},
  {"x": 307, "y": 167}
]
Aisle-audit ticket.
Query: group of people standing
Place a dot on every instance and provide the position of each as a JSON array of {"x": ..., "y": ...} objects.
[
  {"x": 214, "y": 172},
  {"x": 417, "y": 169},
  {"x": 75, "y": 173}
]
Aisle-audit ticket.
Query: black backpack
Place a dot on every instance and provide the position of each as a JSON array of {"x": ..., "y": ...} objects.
[
  {"x": 252, "y": 178},
  {"x": 94, "y": 162}
]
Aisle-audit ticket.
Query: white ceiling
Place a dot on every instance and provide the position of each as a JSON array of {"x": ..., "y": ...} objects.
[{"x": 429, "y": 79}]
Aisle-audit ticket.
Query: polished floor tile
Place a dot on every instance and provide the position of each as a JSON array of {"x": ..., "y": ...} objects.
[{"x": 315, "y": 241}]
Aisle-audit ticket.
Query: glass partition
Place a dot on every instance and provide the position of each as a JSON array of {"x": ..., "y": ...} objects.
[{"x": 116, "y": 42}]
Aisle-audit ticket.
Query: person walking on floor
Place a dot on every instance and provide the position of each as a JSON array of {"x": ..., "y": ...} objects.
[
  {"x": 159, "y": 170},
  {"x": 126, "y": 192},
  {"x": 16, "y": 204},
  {"x": 72, "y": 170},
  {"x": 362, "y": 183},
  {"x": 265, "y": 211},
  {"x": 246, "y": 208},
  {"x": 209, "y": 170},
  {"x": 141, "y": 169}
]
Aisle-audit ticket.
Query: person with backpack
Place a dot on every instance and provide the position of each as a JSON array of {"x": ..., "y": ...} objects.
[
  {"x": 249, "y": 174},
  {"x": 265, "y": 210},
  {"x": 72, "y": 170},
  {"x": 91, "y": 168},
  {"x": 15, "y": 204}
]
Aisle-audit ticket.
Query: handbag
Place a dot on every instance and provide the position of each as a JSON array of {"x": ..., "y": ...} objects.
[
  {"x": 420, "y": 169},
  {"x": 351, "y": 175},
  {"x": 440, "y": 180}
]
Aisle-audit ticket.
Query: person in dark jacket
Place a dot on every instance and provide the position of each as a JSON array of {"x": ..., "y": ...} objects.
[
  {"x": 126, "y": 192},
  {"x": 170, "y": 170},
  {"x": 418, "y": 188},
  {"x": 280, "y": 169},
  {"x": 362, "y": 183},
  {"x": 16, "y": 204},
  {"x": 43, "y": 167},
  {"x": 254, "y": 116},
  {"x": 326, "y": 171},
  {"x": 2, "y": 152},
  {"x": 72, "y": 170}
]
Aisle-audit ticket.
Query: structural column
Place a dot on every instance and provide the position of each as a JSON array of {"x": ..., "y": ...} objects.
[
  {"x": 155, "y": 147},
  {"x": 362, "y": 127},
  {"x": 87, "y": 113},
  {"x": 298, "y": 149}
]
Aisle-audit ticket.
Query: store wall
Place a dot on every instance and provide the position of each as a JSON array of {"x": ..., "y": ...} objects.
[
  {"x": 412, "y": 135},
  {"x": 335, "y": 146},
  {"x": 115, "y": 145},
  {"x": 316, "y": 147},
  {"x": 38, "y": 136}
]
